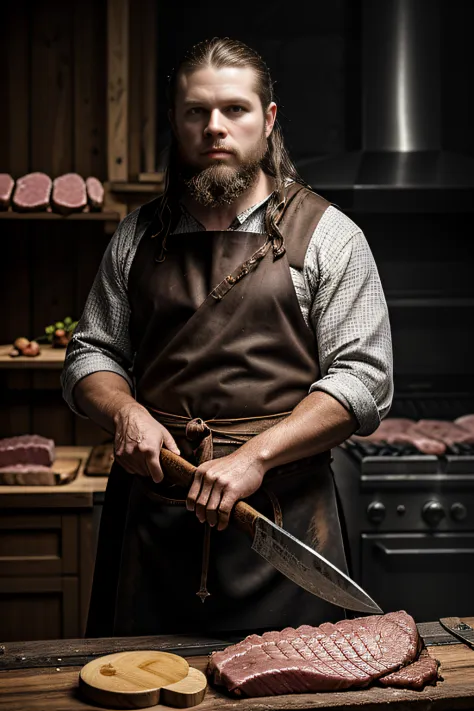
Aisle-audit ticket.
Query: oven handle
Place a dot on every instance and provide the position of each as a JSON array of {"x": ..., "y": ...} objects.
[{"x": 416, "y": 551}]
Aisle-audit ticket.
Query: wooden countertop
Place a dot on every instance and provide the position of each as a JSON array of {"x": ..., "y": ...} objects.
[
  {"x": 78, "y": 493},
  {"x": 49, "y": 358},
  {"x": 54, "y": 688}
]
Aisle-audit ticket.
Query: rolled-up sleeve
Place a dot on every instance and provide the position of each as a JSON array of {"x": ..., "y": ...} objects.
[
  {"x": 101, "y": 340},
  {"x": 350, "y": 318}
]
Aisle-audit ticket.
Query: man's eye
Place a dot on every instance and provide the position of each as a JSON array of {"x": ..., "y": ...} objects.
[
  {"x": 195, "y": 110},
  {"x": 236, "y": 109}
]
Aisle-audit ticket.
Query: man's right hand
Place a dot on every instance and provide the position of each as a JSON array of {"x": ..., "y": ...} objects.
[{"x": 138, "y": 441}]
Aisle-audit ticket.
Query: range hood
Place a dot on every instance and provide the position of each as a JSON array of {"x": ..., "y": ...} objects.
[{"x": 401, "y": 163}]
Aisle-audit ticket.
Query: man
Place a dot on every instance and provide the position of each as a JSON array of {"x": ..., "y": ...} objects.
[{"x": 238, "y": 320}]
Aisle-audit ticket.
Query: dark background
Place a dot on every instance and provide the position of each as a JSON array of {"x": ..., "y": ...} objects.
[
  {"x": 53, "y": 119},
  {"x": 314, "y": 50}
]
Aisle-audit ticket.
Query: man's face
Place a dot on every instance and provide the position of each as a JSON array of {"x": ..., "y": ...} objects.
[{"x": 220, "y": 126}]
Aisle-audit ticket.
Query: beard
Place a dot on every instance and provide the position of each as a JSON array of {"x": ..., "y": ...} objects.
[{"x": 221, "y": 184}]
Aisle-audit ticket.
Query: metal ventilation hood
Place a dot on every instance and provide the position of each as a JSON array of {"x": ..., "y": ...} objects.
[{"x": 401, "y": 164}]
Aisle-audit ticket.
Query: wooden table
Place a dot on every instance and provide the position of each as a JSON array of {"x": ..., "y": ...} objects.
[{"x": 54, "y": 688}]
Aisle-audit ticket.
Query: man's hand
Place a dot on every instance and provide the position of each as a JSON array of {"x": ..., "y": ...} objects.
[
  {"x": 220, "y": 483},
  {"x": 138, "y": 441}
]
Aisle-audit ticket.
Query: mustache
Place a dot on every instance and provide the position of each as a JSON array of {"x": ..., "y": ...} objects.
[{"x": 221, "y": 147}]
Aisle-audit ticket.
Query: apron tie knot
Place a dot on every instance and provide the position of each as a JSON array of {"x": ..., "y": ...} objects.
[{"x": 200, "y": 435}]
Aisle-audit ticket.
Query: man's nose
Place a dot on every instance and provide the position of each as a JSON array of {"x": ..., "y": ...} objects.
[{"x": 215, "y": 125}]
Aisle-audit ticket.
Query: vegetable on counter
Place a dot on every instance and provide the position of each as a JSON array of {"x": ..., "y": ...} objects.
[{"x": 58, "y": 334}]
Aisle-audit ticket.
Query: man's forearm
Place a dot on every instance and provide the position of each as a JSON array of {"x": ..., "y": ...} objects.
[
  {"x": 101, "y": 395},
  {"x": 317, "y": 423}
]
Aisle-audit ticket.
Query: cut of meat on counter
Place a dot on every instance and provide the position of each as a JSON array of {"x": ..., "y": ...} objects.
[
  {"x": 350, "y": 654},
  {"x": 415, "y": 675},
  {"x": 26, "y": 449},
  {"x": 447, "y": 432},
  {"x": 6, "y": 188},
  {"x": 389, "y": 428},
  {"x": 95, "y": 193},
  {"x": 399, "y": 430},
  {"x": 69, "y": 194},
  {"x": 466, "y": 422},
  {"x": 32, "y": 192},
  {"x": 36, "y": 191}
]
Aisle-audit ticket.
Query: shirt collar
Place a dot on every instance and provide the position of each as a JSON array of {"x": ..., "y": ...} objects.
[{"x": 239, "y": 219}]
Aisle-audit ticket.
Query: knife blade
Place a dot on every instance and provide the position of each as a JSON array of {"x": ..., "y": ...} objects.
[
  {"x": 294, "y": 559},
  {"x": 459, "y": 629}
]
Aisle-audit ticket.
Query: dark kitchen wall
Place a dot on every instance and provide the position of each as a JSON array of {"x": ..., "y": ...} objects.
[
  {"x": 313, "y": 49},
  {"x": 303, "y": 44}
]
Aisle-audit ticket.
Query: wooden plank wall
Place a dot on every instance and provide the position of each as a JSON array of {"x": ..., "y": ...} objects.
[{"x": 53, "y": 119}]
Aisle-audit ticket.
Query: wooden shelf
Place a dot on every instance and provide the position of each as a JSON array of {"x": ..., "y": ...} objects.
[
  {"x": 91, "y": 216},
  {"x": 49, "y": 359},
  {"x": 124, "y": 187}
]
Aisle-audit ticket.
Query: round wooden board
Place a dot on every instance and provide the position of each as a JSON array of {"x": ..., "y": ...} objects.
[
  {"x": 188, "y": 692},
  {"x": 131, "y": 679}
]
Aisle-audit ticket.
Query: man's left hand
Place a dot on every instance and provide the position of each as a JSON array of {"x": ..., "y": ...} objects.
[{"x": 220, "y": 483}]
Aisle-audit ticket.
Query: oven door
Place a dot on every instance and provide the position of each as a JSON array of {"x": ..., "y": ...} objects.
[{"x": 428, "y": 575}]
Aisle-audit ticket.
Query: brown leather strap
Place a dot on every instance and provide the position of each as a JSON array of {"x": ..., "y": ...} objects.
[{"x": 298, "y": 221}]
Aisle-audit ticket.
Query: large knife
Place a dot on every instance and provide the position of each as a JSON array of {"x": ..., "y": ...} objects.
[
  {"x": 459, "y": 629},
  {"x": 300, "y": 563}
]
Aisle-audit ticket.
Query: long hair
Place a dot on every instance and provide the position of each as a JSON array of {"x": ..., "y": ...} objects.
[{"x": 219, "y": 53}]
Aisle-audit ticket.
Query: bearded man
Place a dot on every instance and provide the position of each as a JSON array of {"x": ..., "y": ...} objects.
[{"x": 238, "y": 320}]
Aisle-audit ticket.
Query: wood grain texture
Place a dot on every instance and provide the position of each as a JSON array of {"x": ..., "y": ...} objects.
[
  {"x": 117, "y": 88},
  {"x": 17, "y": 45},
  {"x": 49, "y": 358},
  {"x": 51, "y": 88},
  {"x": 77, "y": 494},
  {"x": 61, "y": 472},
  {"x": 149, "y": 52},
  {"x": 188, "y": 692},
  {"x": 131, "y": 679},
  {"x": 57, "y": 690},
  {"x": 143, "y": 87},
  {"x": 103, "y": 216},
  {"x": 89, "y": 88}
]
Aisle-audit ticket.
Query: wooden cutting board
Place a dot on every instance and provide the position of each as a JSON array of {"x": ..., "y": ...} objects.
[
  {"x": 62, "y": 471},
  {"x": 100, "y": 460},
  {"x": 140, "y": 679}
]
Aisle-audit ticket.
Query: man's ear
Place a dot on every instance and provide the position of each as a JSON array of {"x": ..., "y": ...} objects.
[{"x": 270, "y": 118}]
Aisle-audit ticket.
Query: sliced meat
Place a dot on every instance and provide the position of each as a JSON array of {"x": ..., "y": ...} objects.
[
  {"x": 69, "y": 194},
  {"x": 447, "y": 432},
  {"x": 416, "y": 675},
  {"x": 95, "y": 193},
  {"x": 425, "y": 445},
  {"x": 387, "y": 428},
  {"x": 400, "y": 430},
  {"x": 32, "y": 192},
  {"x": 348, "y": 654},
  {"x": 466, "y": 422},
  {"x": 26, "y": 449},
  {"x": 6, "y": 188}
]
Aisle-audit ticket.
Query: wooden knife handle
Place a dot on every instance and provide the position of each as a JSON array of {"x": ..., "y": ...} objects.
[
  {"x": 177, "y": 469},
  {"x": 181, "y": 472}
]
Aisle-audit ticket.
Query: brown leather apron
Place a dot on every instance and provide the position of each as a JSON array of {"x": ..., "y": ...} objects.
[{"x": 216, "y": 343}]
